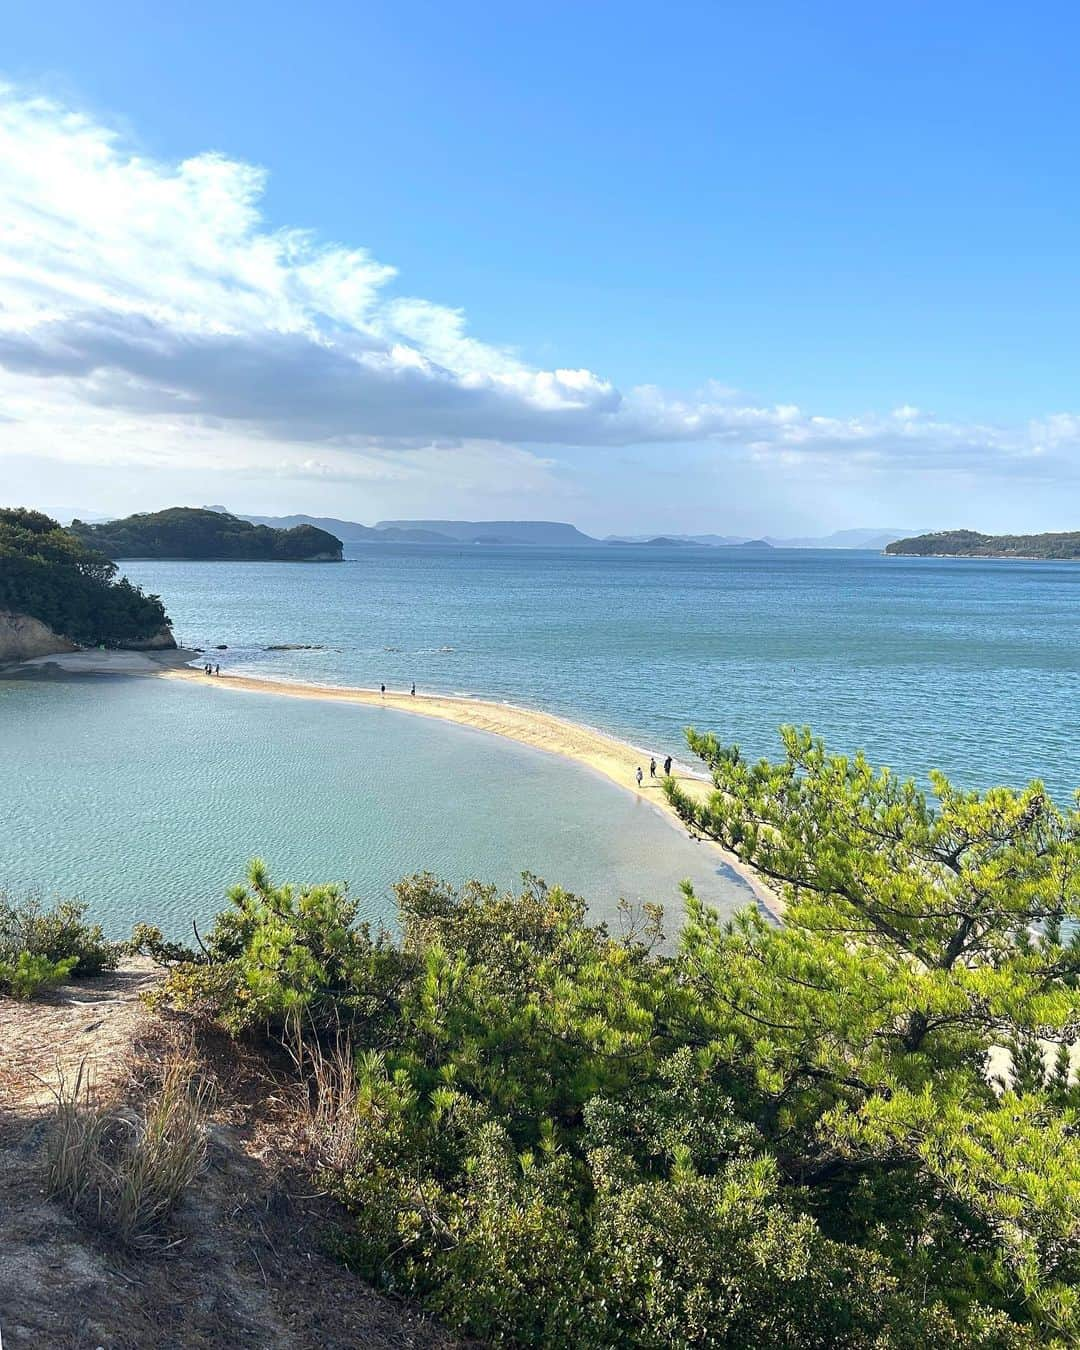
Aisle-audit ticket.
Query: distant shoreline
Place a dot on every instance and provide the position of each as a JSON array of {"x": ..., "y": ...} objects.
[
  {"x": 614, "y": 759},
  {"x": 980, "y": 557}
]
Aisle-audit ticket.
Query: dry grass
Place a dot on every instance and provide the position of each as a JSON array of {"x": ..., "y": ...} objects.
[
  {"x": 126, "y": 1169},
  {"x": 328, "y": 1108}
]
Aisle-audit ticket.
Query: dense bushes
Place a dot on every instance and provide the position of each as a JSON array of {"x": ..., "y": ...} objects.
[
  {"x": 774, "y": 1136},
  {"x": 49, "y": 574},
  {"x": 43, "y": 945}
]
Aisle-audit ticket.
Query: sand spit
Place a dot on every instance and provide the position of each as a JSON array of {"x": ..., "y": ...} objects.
[{"x": 616, "y": 760}]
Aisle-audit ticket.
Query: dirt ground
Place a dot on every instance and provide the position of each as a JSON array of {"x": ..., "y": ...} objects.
[{"x": 249, "y": 1264}]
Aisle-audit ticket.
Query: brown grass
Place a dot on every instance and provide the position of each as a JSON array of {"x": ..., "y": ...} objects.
[
  {"x": 126, "y": 1169},
  {"x": 327, "y": 1115}
]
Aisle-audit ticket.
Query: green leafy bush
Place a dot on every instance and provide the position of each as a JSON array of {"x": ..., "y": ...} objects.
[
  {"x": 26, "y": 974},
  {"x": 282, "y": 955},
  {"x": 55, "y": 932}
]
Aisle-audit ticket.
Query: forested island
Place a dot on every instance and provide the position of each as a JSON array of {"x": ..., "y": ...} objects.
[
  {"x": 200, "y": 533},
  {"x": 55, "y": 592},
  {"x": 971, "y": 544}
]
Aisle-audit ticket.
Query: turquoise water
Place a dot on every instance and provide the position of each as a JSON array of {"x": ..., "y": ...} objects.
[
  {"x": 971, "y": 667},
  {"x": 146, "y": 798}
]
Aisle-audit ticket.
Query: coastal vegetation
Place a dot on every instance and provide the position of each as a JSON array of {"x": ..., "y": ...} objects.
[
  {"x": 52, "y": 575},
  {"x": 971, "y": 544},
  {"x": 201, "y": 533},
  {"x": 42, "y": 945},
  {"x": 854, "y": 1128},
  {"x": 126, "y": 1171}
]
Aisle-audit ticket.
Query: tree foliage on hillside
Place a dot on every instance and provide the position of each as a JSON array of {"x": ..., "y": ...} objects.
[
  {"x": 970, "y": 544},
  {"x": 191, "y": 532},
  {"x": 48, "y": 573},
  {"x": 561, "y": 1135}
]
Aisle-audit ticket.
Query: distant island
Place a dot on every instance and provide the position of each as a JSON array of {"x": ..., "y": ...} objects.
[
  {"x": 56, "y": 594},
  {"x": 538, "y": 533},
  {"x": 661, "y": 541},
  {"x": 682, "y": 541},
  {"x": 971, "y": 544},
  {"x": 205, "y": 533}
]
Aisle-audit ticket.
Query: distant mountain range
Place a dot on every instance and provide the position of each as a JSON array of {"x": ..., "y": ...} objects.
[
  {"x": 542, "y": 533},
  {"x": 559, "y": 534}
]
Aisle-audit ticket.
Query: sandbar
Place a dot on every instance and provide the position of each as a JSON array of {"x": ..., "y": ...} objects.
[{"x": 614, "y": 759}]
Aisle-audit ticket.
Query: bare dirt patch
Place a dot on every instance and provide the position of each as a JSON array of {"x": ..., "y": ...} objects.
[{"x": 248, "y": 1263}]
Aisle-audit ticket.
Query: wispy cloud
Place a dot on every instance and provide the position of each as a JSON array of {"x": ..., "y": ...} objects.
[{"x": 157, "y": 290}]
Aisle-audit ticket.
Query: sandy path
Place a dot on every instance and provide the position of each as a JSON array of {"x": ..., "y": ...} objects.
[
  {"x": 614, "y": 759},
  {"x": 91, "y": 1022}
]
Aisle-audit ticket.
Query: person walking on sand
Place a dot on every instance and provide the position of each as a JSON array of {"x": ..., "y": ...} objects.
[
  {"x": 382, "y": 688},
  {"x": 217, "y": 669},
  {"x": 640, "y": 775},
  {"x": 413, "y": 689},
  {"x": 667, "y": 767},
  {"x": 652, "y": 767}
]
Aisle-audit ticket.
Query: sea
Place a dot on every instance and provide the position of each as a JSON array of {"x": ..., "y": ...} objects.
[{"x": 144, "y": 798}]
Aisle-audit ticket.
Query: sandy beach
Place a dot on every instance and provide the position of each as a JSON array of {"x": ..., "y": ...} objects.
[{"x": 616, "y": 760}]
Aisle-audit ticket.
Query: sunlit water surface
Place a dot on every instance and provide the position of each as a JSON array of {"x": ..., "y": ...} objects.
[{"x": 146, "y": 797}]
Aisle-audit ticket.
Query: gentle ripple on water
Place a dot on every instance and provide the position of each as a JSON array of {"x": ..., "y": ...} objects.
[
  {"x": 971, "y": 667},
  {"x": 145, "y": 798}
]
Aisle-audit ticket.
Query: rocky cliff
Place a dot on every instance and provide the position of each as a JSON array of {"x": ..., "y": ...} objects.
[
  {"x": 161, "y": 641},
  {"x": 22, "y": 638}
]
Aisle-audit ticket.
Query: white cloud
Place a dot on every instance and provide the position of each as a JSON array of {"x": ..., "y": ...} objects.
[{"x": 132, "y": 288}]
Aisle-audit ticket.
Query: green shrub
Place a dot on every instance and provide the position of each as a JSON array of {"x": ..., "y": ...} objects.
[
  {"x": 27, "y": 974},
  {"x": 55, "y": 932},
  {"x": 148, "y": 940},
  {"x": 281, "y": 956}
]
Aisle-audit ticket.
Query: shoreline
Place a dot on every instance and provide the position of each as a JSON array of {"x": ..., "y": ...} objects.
[
  {"x": 592, "y": 749},
  {"x": 605, "y": 755}
]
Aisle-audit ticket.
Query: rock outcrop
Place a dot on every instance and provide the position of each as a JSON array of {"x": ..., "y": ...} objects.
[
  {"x": 23, "y": 637},
  {"x": 161, "y": 641}
]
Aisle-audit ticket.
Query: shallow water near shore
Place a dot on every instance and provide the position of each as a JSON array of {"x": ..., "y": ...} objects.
[{"x": 145, "y": 798}]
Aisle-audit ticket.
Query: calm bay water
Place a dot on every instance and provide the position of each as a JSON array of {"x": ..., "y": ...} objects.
[
  {"x": 969, "y": 667},
  {"x": 146, "y": 798}
]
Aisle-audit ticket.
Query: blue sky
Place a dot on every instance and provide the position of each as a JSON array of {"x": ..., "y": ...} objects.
[{"x": 783, "y": 222}]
